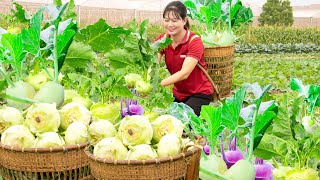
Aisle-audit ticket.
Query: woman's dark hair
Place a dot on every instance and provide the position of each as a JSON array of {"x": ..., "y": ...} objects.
[{"x": 179, "y": 10}]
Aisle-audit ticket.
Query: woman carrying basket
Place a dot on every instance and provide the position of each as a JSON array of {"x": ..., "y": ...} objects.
[{"x": 191, "y": 86}]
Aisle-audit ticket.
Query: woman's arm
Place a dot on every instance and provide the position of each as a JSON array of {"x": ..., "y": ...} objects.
[{"x": 187, "y": 67}]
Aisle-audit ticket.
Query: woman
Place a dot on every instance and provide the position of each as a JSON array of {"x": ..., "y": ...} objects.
[{"x": 190, "y": 84}]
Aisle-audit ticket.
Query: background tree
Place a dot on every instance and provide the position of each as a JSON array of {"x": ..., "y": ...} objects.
[
  {"x": 276, "y": 13},
  {"x": 286, "y": 14}
]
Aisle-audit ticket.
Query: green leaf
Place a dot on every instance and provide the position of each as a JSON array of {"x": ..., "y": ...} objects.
[
  {"x": 120, "y": 58},
  {"x": 13, "y": 43},
  {"x": 64, "y": 41},
  {"x": 31, "y": 36},
  {"x": 262, "y": 123},
  {"x": 212, "y": 115},
  {"x": 101, "y": 37},
  {"x": 57, "y": 2},
  {"x": 181, "y": 111},
  {"x": 20, "y": 13},
  {"x": 70, "y": 11},
  {"x": 143, "y": 29},
  {"x": 231, "y": 109},
  {"x": 79, "y": 55},
  {"x": 272, "y": 146},
  {"x": 160, "y": 44},
  {"x": 296, "y": 84},
  {"x": 121, "y": 91}
]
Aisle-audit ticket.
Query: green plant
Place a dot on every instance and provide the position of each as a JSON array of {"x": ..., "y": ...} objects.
[
  {"x": 219, "y": 18},
  {"x": 276, "y": 13}
]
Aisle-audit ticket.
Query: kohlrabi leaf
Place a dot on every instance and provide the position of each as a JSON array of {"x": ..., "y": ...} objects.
[
  {"x": 56, "y": 12},
  {"x": 181, "y": 111},
  {"x": 79, "y": 55},
  {"x": 213, "y": 120},
  {"x": 102, "y": 37},
  {"x": 297, "y": 85},
  {"x": 143, "y": 29},
  {"x": 161, "y": 44},
  {"x": 13, "y": 43},
  {"x": 259, "y": 91},
  {"x": 262, "y": 123},
  {"x": 231, "y": 109},
  {"x": 19, "y": 13},
  {"x": 70, "y": 11},
  {"x": 272, "y": 146},
  {"x": 57, "y": 2},
  {"x": 31, "y": 36},
  {"x": 121, "y": 91},
  {"x": 198, "y": 125},
  {"x": 64, "y": 40},
  {"x": 120, "y": 58}
]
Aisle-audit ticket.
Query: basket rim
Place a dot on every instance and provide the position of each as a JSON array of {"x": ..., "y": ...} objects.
[
  {"x": 45, "y": 150},
  {"x": 190, "y": 152}
]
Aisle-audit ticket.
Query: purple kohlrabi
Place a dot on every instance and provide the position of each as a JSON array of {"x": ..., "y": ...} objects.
[
  {"x": 132, "y": 108},
  {"x": 206, "y": 149},
  {"x": 263, "y": 170},
  {"x": 233, "y": 154}
]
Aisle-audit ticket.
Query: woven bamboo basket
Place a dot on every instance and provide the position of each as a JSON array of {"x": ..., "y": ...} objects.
[
  {"x": 184, "y": 166},
  {"x": 69, "y": 162},
  {"x": 219, "y": 62}
]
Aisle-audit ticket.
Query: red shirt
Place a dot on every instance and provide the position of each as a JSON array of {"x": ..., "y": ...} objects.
[{"x": 197, "y": 81}]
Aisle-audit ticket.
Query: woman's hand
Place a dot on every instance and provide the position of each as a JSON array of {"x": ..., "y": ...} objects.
[{"x": 187, "y": 67}]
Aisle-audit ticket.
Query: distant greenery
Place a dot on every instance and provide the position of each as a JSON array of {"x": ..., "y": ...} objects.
[
  {"x": 276, "y": 69},
  {"x": 277, "y": 48},
  {"x": 276, "y": 13}
]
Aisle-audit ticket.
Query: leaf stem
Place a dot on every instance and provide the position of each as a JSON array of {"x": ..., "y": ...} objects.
[
  {"x": 3, "y": 74},
  {"x": 55, "y": 52},
  {"x": 252, "y": 134},
  {"x": 214, "y": 174},
  {"x": 20, "y": 99}
]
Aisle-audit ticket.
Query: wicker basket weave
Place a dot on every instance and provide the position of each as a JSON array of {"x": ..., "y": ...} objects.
[
  {"x": 182, "y": 166},
  {"x": 219, "y": 62},
  {"x": 68, "y": 162}
]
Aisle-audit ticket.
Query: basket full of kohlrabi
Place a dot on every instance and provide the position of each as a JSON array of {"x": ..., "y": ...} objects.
[
  {"x": 39, "y": 138},
  {"x": 218, "y": 20}
]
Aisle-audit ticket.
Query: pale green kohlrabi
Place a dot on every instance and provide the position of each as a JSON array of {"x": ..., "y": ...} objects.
[
  {"x": 110, "y": 149},
  {"x": 73, "y": 96},
  {"x": 169, "y": 145},
  {"x": 39, "y": 79},
  {"x": 212, "y": 163},
  {"x": 72, "y": 112},
  {"x": 9, "y": 116},
  {"x": 49, "y": 140},
  {"x": 110, "y": 112},
  {"x": 76, "y": 133},
  {"x": 288, "y": 173},
  {"x": 42, "y": 117},
  {"x": 131, "y": 79},
  {"x": 141, "y": 152},
  {"x": 166, "y": 124},
  {"x": 19, "y": 136},
  {"x": 100, "y": 129},
  {"x": 134, "y": 130}
]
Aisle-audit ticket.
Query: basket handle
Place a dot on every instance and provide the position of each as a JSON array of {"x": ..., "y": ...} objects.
[
  {"x": 211, "y": 81},
  {"x": 206, "y": 73}
]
